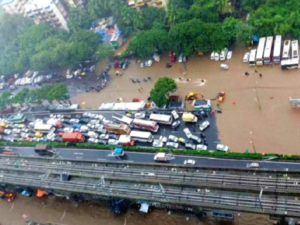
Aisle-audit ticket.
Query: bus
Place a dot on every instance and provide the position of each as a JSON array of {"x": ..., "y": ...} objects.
[
  {"x": 268, "y": 50},
  {"x": 145, "y": 125},
  {"x": 162, "y": 119},
  {"x": 122, "y": 119},
  {"x": 252, "y": 57},
  {"x": 43, "y": 128},
  {"x": 141, "y": 136},
  {"x": 260, "y": 51},
  {"x": 277, "y": 50},
  {"x": 117, "y": 128},
  {"x": 295, "y": 49},
  {"x": 286, "y": 50},
  {"x": 290, "y": 64}
]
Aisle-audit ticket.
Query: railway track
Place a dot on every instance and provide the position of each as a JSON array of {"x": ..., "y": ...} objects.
[{"x": 180, "y": 177}]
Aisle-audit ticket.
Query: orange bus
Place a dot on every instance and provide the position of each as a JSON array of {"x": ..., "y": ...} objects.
[{"x": 117, "y": 128}]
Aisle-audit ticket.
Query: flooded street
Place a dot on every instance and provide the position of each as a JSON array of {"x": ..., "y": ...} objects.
[
  {"x": 63, "y": 212},
  {"x": 269, "y": 121}
]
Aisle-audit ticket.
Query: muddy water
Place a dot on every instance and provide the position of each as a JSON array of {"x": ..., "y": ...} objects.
[
  {"x": 63, "y": 212},
  {"x": 261, "y": 112}
]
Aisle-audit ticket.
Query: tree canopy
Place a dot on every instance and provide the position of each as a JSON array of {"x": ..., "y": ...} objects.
[{"x": 162, "y": 88}]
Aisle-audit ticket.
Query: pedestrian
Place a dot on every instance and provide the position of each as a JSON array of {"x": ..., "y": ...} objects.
[
  {"x": 184, "y": 73},
  {"x": 255, "y": 71},
  {"x": 184, "y": 65},
  {"x": 139, "y": 90},
  {"x": 246, "y": 73},
  {"x": 202, "y": 96},
  {"x": 260, "y": 75}
]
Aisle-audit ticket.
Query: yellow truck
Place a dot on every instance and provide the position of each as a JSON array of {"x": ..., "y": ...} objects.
[{"x": 189, "y": 118}]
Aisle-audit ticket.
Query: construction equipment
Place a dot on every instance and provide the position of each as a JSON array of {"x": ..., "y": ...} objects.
[
  {"x": 192, "y": 96},
  {"x": 221, "y": 97}
]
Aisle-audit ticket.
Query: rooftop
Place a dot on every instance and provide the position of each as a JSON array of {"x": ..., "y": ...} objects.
[{"x": 4, "y": 2}]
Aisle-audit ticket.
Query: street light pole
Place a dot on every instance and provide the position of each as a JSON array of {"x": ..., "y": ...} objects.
[{"x": 252, "y": 143}]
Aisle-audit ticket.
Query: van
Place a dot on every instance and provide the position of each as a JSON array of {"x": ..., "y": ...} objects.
[
  {"x": 160, "y": 157},
  {"x": 224, "y": 67},
  {"x": 223, "y": 54},
  {"x": 195, "y": 139},
  {"x": 43, "y": 150}
]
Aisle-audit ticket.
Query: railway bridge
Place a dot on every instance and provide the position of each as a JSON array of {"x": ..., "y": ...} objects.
[{"x": 258, "y": 191}]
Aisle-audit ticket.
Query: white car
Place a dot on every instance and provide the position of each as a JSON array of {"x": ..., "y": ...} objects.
[
  {"x": 68, "y": 130},
  {"x": 172, "y": 145},
  {"x": 212, "y": 56},
  {"x": 74, "y": 120},
  {"x": 217, "y": 56},
  {"x": 222, "y": 147},
  {"x": 16, "y": 130},
  {"x": 7, "y": 131},
  {"x": 105, "y": 121},
  {"x": 91, "y": 126},
  {"x": 190, "y": 146},
  {"x": 180, "y": 58},
  {"x": 92, "y": 140},
  {"x": 201, "y": 147},
  {"x": 86, "y": 114},
  {"x": 187, "y": 133},
  {"x": 224, "y": 67},
  {"x": 100, "y": 117},
  {"x": 173, "y": 138},
  {"x": 223, "y": 54},
  {"x": 163, "y": 139},
  {"x": 204, "y": 125},
  {"x": 253, "y": 165},
  {"x": 229, "y": 55},
  {"x": 104, "y": 136},
  {"x": 175, "y": 115},
  {"x": 246, "y": 57},
  {"x": 157, "y": 143},
  {"x": 140, "y": 115},
  {"x": 113, "y": 142},
  {"x": 94, "y": 122},
  {"x": 189, "y": 162}
]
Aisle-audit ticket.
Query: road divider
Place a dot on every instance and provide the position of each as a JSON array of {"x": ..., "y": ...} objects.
[{"x": 206, "y": 153}]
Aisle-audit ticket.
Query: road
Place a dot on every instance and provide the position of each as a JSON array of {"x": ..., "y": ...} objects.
[{"x": 90, "y": 154}]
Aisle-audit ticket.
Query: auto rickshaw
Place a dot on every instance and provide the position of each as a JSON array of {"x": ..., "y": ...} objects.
[
  {"x": 9, "y": 196},
  {"x": 38, "y": 135},
  {"x": 221, "y": 97}
]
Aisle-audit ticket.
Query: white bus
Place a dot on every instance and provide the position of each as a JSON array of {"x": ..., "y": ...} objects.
[
  {"x": 145, "y": 125},
  {"x": 277, "y": 50},
  {"x": 290, "y": 64},
  {"x": 252, "y": 57},
  {"x": 141, "y": 136},
  {"x": 295, "y": 49},
  {"x": 122, "y": 119},
  {"x": 260, "y": 51},
  {"x": 162, "y": 119},
  {"x": 286, "y": 50},
  {"x": 43, "y": 128},
  {"x": 268, "y": 50}
]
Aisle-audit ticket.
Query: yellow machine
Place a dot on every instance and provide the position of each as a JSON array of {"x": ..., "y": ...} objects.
[
  {"x": 38, "y": 134},
  {"x": 192, "y": 96}
]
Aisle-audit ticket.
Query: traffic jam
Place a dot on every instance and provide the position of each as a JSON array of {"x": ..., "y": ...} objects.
[{"x": 121, "y": 130}]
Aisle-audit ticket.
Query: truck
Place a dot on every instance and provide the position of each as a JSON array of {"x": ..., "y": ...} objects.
[
  {"x": 125, "y": 140},
  {"x": 160, "y": 157},
  {"x": 73, "y": 137},
  {"x": 189, "y": 117},
  {"x": 55, "y": 122},
  {"x": 43, "y": 150},
  {"x": 118, "y": 151}
]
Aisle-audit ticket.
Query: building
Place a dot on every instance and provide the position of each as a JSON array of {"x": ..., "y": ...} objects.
[
  {"x": 74, "y": 3},
  {"x": 136, "y": 4},
  {"x": 41, "y": 11}
]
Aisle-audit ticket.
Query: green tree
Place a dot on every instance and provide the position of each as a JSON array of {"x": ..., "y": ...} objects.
[
  {"x": 20, "y": 97},
  {"x": 150, "y": 15},
  {"x": 229, "y": 28},
  {"x": 79, "y": 19},
  {"x": 162, "y": 88},
  {"x": 104, "y": 51},
  {"x": 244, "y": 33},
  {"x": 5, "y": 99},
  {"x": 59, "y": 92}
]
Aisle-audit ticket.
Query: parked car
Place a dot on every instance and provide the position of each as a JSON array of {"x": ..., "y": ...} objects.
[
  {"x": 175, "y": 114},
  {"x": 74, "y": 121},
  {"x": 223, "y": 54},
  {"x": 222, "y": 147},
  {"x": 212, "y": 56},
  {"x": 229, "y": 55},
  {"x": 112, "y": 142},
  {"x": 100, "y": 141},
  {"x": 187, "y": 133},
  {"x": 140, "y": 115},
  {"x": 172, "y": 145},
  {"x": 173, "y": 138},
  {"x": 92, "y": 140},
  {"x": 224, "y": 66},
  {"x": 217, "y": 57},
  {"x": 181, "y": 140},
  {"x": 204, "y": 125},
  {"x": 157, "y": 143},
  {"x": 175, "y": 124},
  {"x": 68, "y": 130},
  {"x": 180, "y": 58},
  {"x": 253, "y": 165},
  {"x": 190, "y": 146},
  {"x": 201, "y": 147},
  {"x": 196, "y": 139},
  {"x": 189, "y": 162},
  {"x": 113, "y": 136},
  {"x": 104, "y": 136},
  {"x": 246, "y": 57},
  {"x": 7, "y": 131}
]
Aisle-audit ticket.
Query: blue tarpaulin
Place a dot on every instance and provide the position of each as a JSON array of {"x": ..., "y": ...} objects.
[
  {"x": 255, "y": 38},
  {"x": 118, "y": 151}
]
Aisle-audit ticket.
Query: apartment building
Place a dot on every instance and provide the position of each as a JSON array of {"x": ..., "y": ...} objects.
[
  {"x": 74, "y": 3},
  {"x": 41, "y": 11},
  {"x": 136, "y": 4}
]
